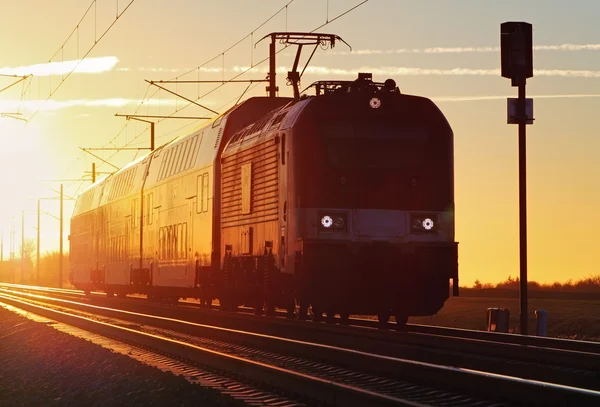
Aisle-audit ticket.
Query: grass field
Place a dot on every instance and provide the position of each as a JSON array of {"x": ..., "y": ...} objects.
[{"x": 574, "y": 319}]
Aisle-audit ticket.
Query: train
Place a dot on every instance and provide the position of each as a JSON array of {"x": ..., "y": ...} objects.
[{"x": 338, "y": 202}]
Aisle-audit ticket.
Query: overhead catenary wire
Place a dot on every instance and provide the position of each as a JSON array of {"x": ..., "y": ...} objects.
[
  {"x": 220, "y": 54},
  {"x": 177, "y": 110},
  {"x": 267, "y": 58},
  {"x": 79, "y": 60}
]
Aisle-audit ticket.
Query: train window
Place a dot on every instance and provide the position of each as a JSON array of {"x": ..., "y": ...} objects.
[
  {"x": 194, "y": 150},
  {"x": 169, "y": 162},
  {"x": 283, "y": 149},
  {"x": 184, "y": 150},
  {"x": 188, "y": 149},
  {"x": 185, "y": 242},
  {"x": 134, "y": 215},
  {"x": 202, "y": 193},
  {"x": 246, "y": 188},
  {"x": 177, "y": 243},
  {"x": 164, "y": 242},
  {"x": 165, "y": 236},
  {"x": 160, "y": 243},
  {"x": 163, "y": 165},
  {"x": 176, "y": 154},
  {"x": 199, "y": 194},
  {"x": 150, "y": 207},
  {"x": 168, "y": 241},
  {"x": 174, "y": 160},
  {"x": 205, "y": 192},
  {"x": 189, "y": 159},
  {"x": 192, "y": 153}
]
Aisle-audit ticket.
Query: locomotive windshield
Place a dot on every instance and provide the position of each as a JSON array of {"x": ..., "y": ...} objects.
[
  {"x": 398, "y": 158},
  {"x": 377, "y": 146}
]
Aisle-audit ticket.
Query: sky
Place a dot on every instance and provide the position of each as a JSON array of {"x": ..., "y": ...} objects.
[{"x": 87, "y": 69}]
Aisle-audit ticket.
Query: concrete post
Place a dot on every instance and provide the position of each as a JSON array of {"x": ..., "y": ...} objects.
[{"x": 542, "y": 322}]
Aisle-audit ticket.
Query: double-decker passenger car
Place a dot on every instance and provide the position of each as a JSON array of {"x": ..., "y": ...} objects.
[{"x": 341, "y": 202}]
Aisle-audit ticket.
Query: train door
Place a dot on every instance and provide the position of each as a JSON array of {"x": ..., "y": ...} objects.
[{"x": 283, "y": 183}]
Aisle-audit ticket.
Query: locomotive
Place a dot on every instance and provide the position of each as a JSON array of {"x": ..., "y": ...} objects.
[{"x": 338, "y": 202}]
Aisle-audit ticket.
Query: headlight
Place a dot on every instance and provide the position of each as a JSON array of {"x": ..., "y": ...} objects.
[
  {"x": 427, "y": 223},
  {"x": 333, "y": 222},
  {"x": 326, "y": 221}
]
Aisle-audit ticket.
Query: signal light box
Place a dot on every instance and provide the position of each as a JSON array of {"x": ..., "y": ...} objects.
[{"x": 516, "y": 50}]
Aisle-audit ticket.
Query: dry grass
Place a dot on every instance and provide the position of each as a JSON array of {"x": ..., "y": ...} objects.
[{"x": 574, "y": 319}]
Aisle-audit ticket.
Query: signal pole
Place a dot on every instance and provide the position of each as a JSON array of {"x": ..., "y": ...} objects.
[{"x": 516, "y": 47}]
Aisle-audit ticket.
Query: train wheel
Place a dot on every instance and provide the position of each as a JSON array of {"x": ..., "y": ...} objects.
[
  {"x": 292, "y": 309},
  {"x": 270, "y": 310},
  {"x": 401, "y": 320},
  {"x": 110, "y": 293},
  {"x": 317, "y": 314},
  {"x": 87, "y": 293},
  {"x": 258, "y": 308},
  {"x": 344, "y": 317},
  {"x": 303, "y": 311},
  {"x": 330, "y": 316},
  {"x": 384, "y": 318}
]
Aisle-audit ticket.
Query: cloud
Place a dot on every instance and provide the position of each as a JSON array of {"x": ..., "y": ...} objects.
[
  {"x": 88, "y": 65},
  {"x": 408, "y": 71},
  {"x": 53, "y": 105},
  {"x": 173, "y": 70},
  {"x": 500, "y": 97},
  {"x": 455, "y": 50}
]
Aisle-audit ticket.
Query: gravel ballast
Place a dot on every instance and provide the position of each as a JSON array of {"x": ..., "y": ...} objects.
[{"x": 40, "y": 366}]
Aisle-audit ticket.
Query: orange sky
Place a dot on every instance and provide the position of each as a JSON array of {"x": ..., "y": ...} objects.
[{"x": 430, "y": 54}]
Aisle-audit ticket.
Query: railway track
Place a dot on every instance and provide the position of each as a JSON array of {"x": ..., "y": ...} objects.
[
  {"x": 333, "y": 375},
  {"x": 414, "y": 333}
]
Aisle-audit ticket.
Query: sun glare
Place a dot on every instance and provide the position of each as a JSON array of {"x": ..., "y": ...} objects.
[{"x": 22, "y": 166}]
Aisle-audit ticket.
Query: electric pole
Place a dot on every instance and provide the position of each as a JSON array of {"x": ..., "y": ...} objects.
[
  {"x": 93, "y": 173},
  {"x": 22, "y": 246},
  {"x": 60, "y": 262},
  {"x": 37, "y": 263}
]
